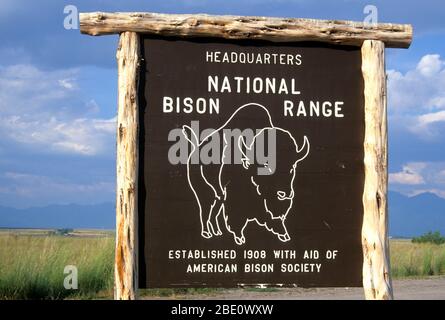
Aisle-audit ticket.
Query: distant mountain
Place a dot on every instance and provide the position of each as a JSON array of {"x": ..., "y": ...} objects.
[
  {"x": 413, "y": 216},
  {"x": 408, "y": 216},
  {"x": 98, "y": 216}
]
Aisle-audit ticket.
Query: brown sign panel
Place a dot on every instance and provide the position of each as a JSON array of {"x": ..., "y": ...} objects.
[{"x": 251, "y": 164}]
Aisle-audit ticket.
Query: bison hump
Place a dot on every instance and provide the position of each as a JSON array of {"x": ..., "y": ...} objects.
[{"x": 250, "y": 116}]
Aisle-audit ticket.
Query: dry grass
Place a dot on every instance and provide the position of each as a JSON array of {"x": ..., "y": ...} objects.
[
  {"x": 32, "y": 264},
  {"x": 416, "y": 259},
  {"x": 31, "y": 267}
]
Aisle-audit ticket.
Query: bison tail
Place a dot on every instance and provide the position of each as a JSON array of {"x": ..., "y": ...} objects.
[{"x": 190, "y": 135}]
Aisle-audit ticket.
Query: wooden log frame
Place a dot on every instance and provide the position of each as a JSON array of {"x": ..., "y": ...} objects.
[
  {"x": 372, "y": 40},
  {"x": 236, "y": 27},
  {"x": 376, "y": 265},
  {"x": 126, "y": 263}
]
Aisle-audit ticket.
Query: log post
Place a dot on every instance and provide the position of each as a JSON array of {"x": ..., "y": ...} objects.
[
  {"x": 126, "y": 273},
  {"x": 376, "y": 265}
]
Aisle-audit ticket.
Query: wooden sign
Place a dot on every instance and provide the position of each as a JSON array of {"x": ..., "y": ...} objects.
[
  {"x": 214, "y": 215},
  {"x": 254, "y": 154}
]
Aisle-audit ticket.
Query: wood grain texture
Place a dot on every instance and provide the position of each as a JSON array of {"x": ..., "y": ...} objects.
[
  {"x": 237, "y": 27},
  {"x": 126, "y": 273},
  {"x": 376, "y": 265}
]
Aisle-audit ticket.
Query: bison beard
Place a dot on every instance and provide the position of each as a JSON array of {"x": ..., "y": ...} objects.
[{"x": 220, "y": 188}]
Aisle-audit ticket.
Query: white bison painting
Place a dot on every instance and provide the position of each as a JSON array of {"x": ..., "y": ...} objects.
[{"x": 264, "y": 185}]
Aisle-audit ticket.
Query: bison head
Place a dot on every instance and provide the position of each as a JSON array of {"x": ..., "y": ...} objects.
[{"x": 273, "y": 176}]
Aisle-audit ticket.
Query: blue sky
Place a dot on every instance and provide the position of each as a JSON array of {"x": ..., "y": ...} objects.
[{"x": 58, "y": 94}]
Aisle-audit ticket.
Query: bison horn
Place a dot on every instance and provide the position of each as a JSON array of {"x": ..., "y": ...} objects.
[
  {"x": 303, "y": 151},
  {"x": 244, "y": 158}
]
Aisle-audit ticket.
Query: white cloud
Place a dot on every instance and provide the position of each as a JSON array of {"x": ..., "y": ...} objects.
[
  {"x": 429, "y": 125},
  {"x": 78, "y": 136},
  {"x": 44, "y": 111},
  {"x": 416, "y": 99},
  {"x": 67, "y": 84},
  {"x": 437, "y": 192},
  {"x": 430, "y": 65},
  {"x": 37, "y": 189},
  {"x": 429, "y": 118},
  {"x": 419, "y": 177},
  {"x": 437, "y": 102},
  {"x": 48, "y": 182},
  {"x": 25, "y": 89},
  {"x": 410, "y": 175},
  {"x": 418, "y": 90},
  {"x": 92, "y": 106}
]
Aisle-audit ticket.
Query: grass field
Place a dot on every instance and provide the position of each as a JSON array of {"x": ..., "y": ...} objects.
[
  {"x": 416, "y": 259},
  {"x": 32, "y": 264}
]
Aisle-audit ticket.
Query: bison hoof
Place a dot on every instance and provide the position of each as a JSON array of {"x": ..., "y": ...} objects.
[
  {"x": 206, "y": 234},
  {"x": 284, "y": 237},
  {"x": 216, "y": 232},
  {"x": 240, "y": 240}
]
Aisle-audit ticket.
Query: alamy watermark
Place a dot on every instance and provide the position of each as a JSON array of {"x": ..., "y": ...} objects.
[
  {"x": 253, "y": 146},
  {"x": 224, "y": 146},
  {"x": 372, "y": 16},
  {"x": 70, "y": 282},
  {"x": 71, "y": 20}
]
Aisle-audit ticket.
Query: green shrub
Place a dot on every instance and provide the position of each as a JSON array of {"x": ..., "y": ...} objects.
[{"x": 430, "y": 237}]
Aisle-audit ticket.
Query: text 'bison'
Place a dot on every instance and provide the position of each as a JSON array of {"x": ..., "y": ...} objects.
[{"x": 264, "y": 185}]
